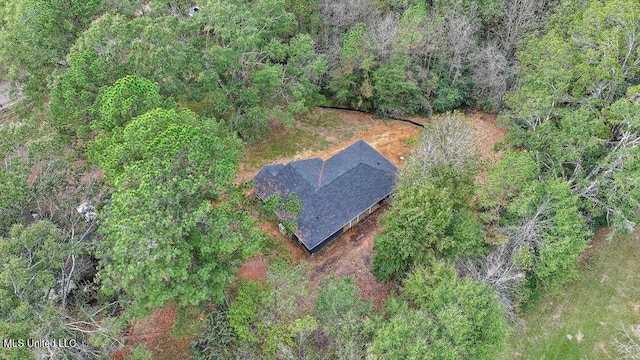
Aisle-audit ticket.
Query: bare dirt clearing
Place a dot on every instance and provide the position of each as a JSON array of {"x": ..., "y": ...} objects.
[
  {"x": 486, "y": 134},
  {"x": 351, "y": 253},
  {"x": 154, "y": 332},
  {"x": 391, "y": 138}
]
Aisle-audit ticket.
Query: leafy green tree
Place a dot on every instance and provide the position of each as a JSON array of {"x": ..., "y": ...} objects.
[
  {"x": 505, "y": 181},
  {"x": 451, "y": 95},
  {"x": 30, "y": 262},
  {"x": 14, "y": 190},
  {"x": 127, "y": 98},
  {"x": 441, "y": 316},
  {"x": 306, "y": 13},
  {"x": 574, "y": 108},
  {"x": 610, "y": 190},
  {"x": 548, "y": 223},
  {"x": 409, "y": 334},
  {"x": 413, "y": 229},
  {"x": 267, "y": 318},
  {"x": 429, "y": 211},
  {"x": 36, "y": 35},
  {"x": 467, "y": 233},
  {"x": 538, "y": 229},
  {"x": 344, "y": 317},
  {"x": 481, "y": 331},
  {"x": 219, "y": 339},
  {"x": 256, "y": 68},
  {"x": 351, "y": 82},
  {"x": 542, "y": 234},
  {"x": 395, "y": 91},
  {"x": 112, "y": 47},
  {"x": 162, "y": 237}
]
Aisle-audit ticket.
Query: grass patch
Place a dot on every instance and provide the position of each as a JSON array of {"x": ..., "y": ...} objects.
[
  {"x": 411, "y": 141},
  {"x": 286, "y": 143},
  {"x": 593, "y": 309},
  {"x": 189, "y": 321},
  {"x": 323, "y": 119}
]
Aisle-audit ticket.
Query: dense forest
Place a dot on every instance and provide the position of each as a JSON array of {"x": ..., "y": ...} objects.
[{"x": 117, "y": 192}]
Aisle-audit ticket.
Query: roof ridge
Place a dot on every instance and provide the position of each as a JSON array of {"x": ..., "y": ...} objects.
[
  {"x": 320, "y": 173},
  {"x": 350, "y": 170}
]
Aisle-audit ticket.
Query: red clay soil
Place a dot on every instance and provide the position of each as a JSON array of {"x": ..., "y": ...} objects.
[
  {"x": 486, "y": 133},
  {"x": 254, "y": 269},
  {"x": 155, "y": 332},
  {"x": 350, "y": 255}
]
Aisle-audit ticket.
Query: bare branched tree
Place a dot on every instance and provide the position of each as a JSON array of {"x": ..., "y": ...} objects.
[
  {"x": 383, "y": 35},
  {"x": 460, "y": 30},
  {"x": 336, "y": 18},
  {"x": 627, "y": 347},
  {"x": 448, "y": 142},
  {"x": 520, "y": 17},
  {"x": 609, "y": 184},
  {"x": 80, "y": 329},
  {"x": 492, "y": 75},
  {"x": 500, "y": 269}
]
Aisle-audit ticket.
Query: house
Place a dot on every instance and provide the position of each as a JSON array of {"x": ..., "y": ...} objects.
[{"x": 335, "y": 194}]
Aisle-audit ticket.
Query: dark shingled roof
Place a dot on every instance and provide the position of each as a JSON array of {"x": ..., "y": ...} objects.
[{"x": 332, "y": 192}]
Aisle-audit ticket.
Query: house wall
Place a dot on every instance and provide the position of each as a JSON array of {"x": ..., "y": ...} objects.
[
  {"x": 364, "y": 214},
  {"x": 324, "y": 243}
]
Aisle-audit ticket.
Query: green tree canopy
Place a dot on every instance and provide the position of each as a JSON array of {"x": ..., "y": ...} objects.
[
  {"x": 127, "y": 98},
  {"x": 441, "y": 316},
  {"x": 112, "y": 47},
  {"x": 429, "y": 213},
  {"x": 162, "y": 236},
  {"x": 36, "y": 35},
  {"x": 574, "y": 109},
  {"x": 255, "y": 68},
  {"x": 37, "y": 265}
]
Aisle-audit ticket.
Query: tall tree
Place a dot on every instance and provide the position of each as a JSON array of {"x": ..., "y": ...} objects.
[
  {"x": 441, "y": 316},
  {"x": 112, "y": 47},
  {"x": 162, "y": 237},
  {"x": 38, "y": 279},
  {"x": 267, "y": 316},
  {"x": 255, "y": 68},
  {"x": 429, "y": 213},
  {"x": 575, "y": 106},
  {"x": 35, "y": 37},
  {"x": 537, "y": 228},
  {"x": 344, "y": 317},
  {"x": 126, "y": 99}
]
